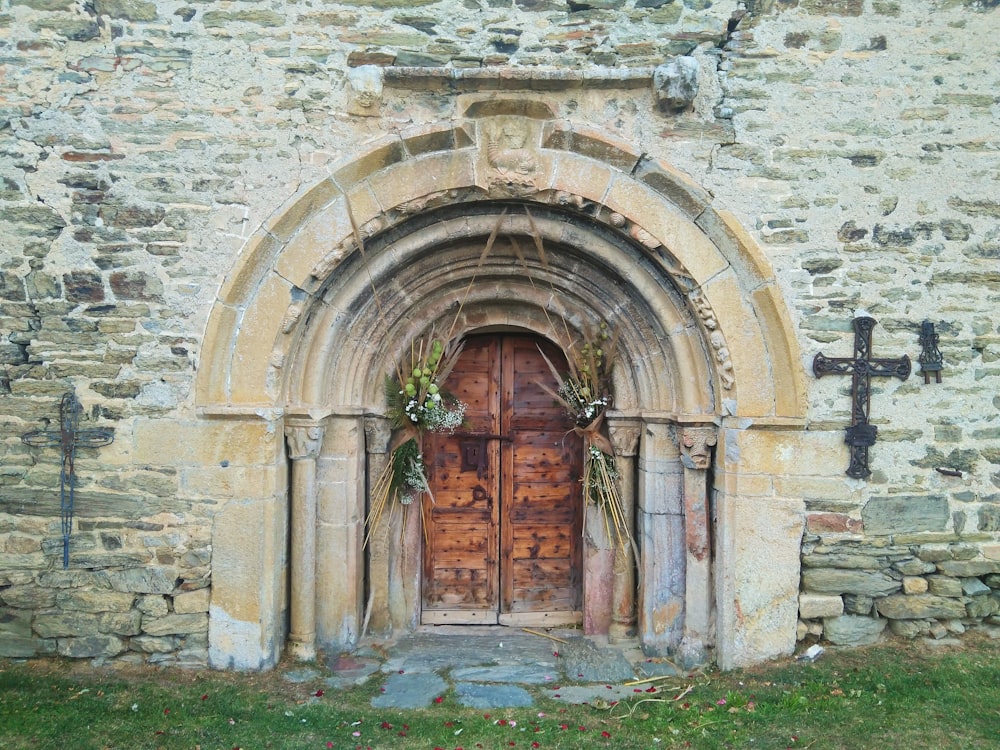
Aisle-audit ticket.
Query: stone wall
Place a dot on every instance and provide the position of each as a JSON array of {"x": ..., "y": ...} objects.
[{"x": 142, "y": 144}]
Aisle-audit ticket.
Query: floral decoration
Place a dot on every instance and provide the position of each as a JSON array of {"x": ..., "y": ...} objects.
[
  {"x": 585, "y": 392},
  {"x": 416, "y": 404}
]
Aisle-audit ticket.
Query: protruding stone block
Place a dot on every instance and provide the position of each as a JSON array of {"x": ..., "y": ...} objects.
[
  {"x": 919, "y": 606},
  {"x": 675, "y": 84},
  {"x": 812, "y": 606},
  {"x": 853, "y": 630}
]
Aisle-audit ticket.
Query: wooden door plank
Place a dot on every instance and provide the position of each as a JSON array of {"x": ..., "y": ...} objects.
[
  {"x": 541, "y": 527},
  {"x": 461, "y": 568}
]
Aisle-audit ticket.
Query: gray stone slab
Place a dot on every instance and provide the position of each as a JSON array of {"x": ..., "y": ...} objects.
[
  {"x": 431, "y": 652},
  {"x": 474, "y": 695},
  {"x": 349, "y": 671},
  {"x": 583, "y": 661},
  {"x": 300, "y": 675},
  {"x": 598, "y": 695},
  {"x": 657, "y": 668},
  {"x": 523, "y": 673},
  {"x": 905, "y": 514},
  {"x": 410, "y": 690}
]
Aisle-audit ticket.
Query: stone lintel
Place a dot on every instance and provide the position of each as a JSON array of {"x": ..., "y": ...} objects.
[{"x": 537, "y": 78}]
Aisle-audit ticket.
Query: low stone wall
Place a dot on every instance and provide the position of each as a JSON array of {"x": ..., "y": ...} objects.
[
  {"x": 856, "y": 591},
  {"x": 113, "y": 603}
]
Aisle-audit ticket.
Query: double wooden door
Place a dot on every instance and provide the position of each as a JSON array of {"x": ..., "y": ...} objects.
[{"x": 502, "y": 541}]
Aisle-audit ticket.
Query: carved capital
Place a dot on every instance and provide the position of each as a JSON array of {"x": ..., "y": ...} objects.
[
  {"x": 378, "y": 432},
  {"x": 304, "y": 438},
  {"x": 624, "y": 436},
  {"x": 696, "y": 446}
]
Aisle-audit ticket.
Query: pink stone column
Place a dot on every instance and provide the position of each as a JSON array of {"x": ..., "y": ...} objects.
[
  {"x": 304, "y": 438},
  {"x": 696, "y": 457},
  {"x": 624, "y": 435}
]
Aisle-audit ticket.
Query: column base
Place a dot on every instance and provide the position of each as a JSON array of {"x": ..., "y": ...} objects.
[
  {"x": 302, "y": 650},
  {"x": 619, "y": 632},
  {"x": 691, "y": 653}
]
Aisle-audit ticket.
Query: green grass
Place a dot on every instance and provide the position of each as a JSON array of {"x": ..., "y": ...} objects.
[{"x": 890, "y": 697}]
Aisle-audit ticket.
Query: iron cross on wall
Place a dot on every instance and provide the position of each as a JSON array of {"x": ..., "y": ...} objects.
[
  {"x": 69, "y": 437},
  {"x": 862, "y": 367}
]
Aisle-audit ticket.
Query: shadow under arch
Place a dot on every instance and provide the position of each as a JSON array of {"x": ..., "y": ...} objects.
[{"x": 297, "y": 337}]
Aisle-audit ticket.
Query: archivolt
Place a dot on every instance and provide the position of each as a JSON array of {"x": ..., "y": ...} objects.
[{"x": 703, "y": 329}]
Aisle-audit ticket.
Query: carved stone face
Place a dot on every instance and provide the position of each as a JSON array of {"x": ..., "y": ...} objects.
[
  {"x": 699, "y": 444},
  {"x": 365, "y": 88}
]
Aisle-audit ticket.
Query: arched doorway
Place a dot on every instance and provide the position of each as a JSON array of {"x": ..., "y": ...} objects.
[
  {"x": 298, "y": 346},
  {"x": 503, "y": 521}
]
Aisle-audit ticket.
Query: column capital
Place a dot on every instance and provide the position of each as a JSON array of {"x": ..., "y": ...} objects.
[
  {"x": 624, "y": 433},
  {"x": 696, "y": 445},
  {"x": 304, "y": 437},
  {"x": 378, "y": 431}
]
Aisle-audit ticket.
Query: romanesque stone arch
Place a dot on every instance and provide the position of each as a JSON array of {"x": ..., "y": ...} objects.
[{"x": 298, "y": 339}]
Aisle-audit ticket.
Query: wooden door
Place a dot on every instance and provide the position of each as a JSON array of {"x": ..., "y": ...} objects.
[{"x": 503, "y": 533}]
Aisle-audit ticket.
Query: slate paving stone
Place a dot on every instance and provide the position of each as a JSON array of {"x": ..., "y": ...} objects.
[
  {"x": 521, "y": 673},
  {"x": 410, "y": 690},
  {"x": 350, "y": 670},
  {"x": 584, "y": 661},
  {"x": 596, "y": 695},
  {"x": 300, "y": 675},
  {"x": 474, "y": 695},
  {"x": 432, "y": 652},
  {"x": 657, "y": 668}
]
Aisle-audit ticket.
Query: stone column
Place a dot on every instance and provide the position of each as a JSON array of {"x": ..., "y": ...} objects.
[
  {"x": 660, "y": 527},
  {"x": 625, "y": 438},
  {"x": 696, "y": 457},
  {"x": 305, "y": 438},
  {"x": 377, "y": 435}
]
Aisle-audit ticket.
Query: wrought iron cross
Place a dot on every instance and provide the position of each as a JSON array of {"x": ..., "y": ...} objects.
[
  {"x": 862, "y": 367},
  {"x": 69, "y": 437}
]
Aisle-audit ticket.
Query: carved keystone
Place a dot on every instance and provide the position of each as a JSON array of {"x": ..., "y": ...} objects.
[{"x": 675, "y": 84}]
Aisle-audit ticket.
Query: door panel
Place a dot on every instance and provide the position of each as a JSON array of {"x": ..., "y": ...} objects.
[
  {"x": 513, "y": 495},
  {"x": 461, "y": 575}
]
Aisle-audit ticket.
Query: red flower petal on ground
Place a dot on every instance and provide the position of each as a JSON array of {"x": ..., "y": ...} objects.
[
  {"x": 438, "y": 699},
  {"x": 318, "y": 694},
  {"x": 535, "y": 744},
  {"x": 564, "y": 726},
  {"x": 329, "y": 744},
  {"x": 166, "y": 711},
  {"x": 651, "y": 689},
  {"x": 605, "y": 734},
  {"x": 205, "y": 697},
  {"x": 386, "y": 725},
  {"x": 502, "y": 722}
]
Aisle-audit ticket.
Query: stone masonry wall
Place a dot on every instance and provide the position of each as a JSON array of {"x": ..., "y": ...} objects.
[{"x": 142, "y": 143}]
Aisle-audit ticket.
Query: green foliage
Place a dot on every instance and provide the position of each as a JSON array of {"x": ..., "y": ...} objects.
[{"x": 886, "y": 697}]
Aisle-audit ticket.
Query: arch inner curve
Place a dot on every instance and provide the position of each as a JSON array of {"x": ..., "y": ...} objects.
[{"x": 494, "y": 265}]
